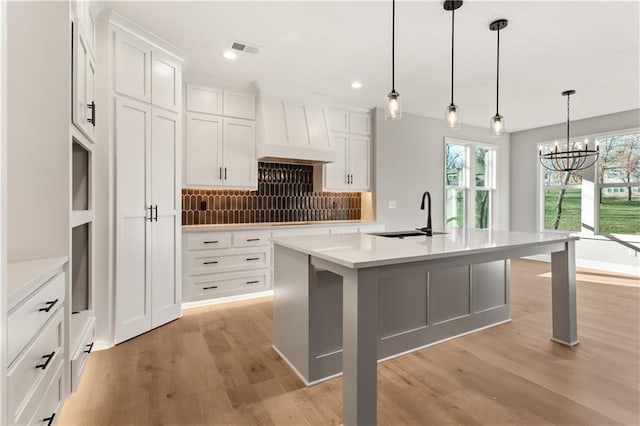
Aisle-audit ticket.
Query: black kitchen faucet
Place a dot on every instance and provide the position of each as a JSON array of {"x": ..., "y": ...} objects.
[{"x": 427, "y": 229}]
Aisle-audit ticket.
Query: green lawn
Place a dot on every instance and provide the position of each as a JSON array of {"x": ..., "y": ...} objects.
[{"x": 617, "y": 215}]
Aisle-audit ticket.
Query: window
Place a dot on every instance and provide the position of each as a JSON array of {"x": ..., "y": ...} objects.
[
  {"x": 604, "y": 198},
  {"x": 618, "y": 176},
  {"x": 562, "y": 198},
  {"x": 469, "y": 184}
]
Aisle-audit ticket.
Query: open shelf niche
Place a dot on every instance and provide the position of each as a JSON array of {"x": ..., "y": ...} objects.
[{"x": 81, "y": 302}]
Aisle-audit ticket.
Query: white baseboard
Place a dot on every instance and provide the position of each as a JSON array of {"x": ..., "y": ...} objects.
[
  {"x": 592, "y": 264},
  {"x": 101, "y": 345},
  {"x": 219, "y": 300}
]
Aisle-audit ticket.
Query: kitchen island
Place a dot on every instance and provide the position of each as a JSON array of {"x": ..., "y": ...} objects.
[{"x": 343, "y": 302}]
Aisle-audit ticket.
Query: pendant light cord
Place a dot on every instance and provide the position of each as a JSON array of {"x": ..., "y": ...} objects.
[
  {"x": 568, "y": 107},
  {"x": 453, "y": 13},
  {"x": 498, "y": 75},
  {"x": 393, "y": 46}
]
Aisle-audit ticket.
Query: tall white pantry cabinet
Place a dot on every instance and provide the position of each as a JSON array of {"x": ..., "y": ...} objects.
[{"x": 147, "y": 132}]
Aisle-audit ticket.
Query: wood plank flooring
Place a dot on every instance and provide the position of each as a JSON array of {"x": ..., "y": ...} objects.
[{"x": 215, "y": 366}]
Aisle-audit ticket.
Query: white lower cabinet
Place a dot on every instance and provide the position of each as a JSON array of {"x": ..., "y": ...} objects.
[
  {"x": 231, "y": 263},
  {"x": 81, "y": 356}
]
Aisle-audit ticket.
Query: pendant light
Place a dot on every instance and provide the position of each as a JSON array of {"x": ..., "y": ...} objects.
[
  {"x": 393, "y": 111},
  {"x": 497, "y": 121},
  {"x": 571, "y": 159},
  {"x": 451, "y": 117}
]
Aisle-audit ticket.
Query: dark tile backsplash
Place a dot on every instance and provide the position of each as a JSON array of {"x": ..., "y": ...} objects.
[{"x": 285, "y": 194}]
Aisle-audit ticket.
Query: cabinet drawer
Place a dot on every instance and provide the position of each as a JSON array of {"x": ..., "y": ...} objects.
[
  {"x": 50, "y": 402},
  {"x": 207, "y": 240},
  {"x": 227, "y": 260},
  {"x": 251, "y": 238},
  {"x": 29, "y": 369},
  {"x": 218, "y": 285},
  {"x": 80, "y": 358},
  {"x": 25, "y": 321}
]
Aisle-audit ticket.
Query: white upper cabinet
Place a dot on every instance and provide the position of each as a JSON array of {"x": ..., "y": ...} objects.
[
  {"x": 166, "y": 81},
  {"x": 239, "y": 154},
  {"x": 359, "y": 163},
  {"x": 349, "y": 121},
  {"x": 239, "y": 104},
  {"x": 132, "y": 67},
  {"x": 336, "y": 173},
  {"x": 84, "y": 72},
  {"x": 338, "y": 120},
  {"x": 352, "y": 169},
  {"x": 233, "y": 103},
  {"x": 204, "y": 150},
  {"x": 86, "y": 13},
  {"x": 204, "y": 99},
  {"x": 360, "y": 123},
  {"x": 220, "y": 152}
]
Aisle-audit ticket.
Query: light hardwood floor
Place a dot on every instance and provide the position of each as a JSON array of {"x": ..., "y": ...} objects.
[{"x": 216, "y": 366}]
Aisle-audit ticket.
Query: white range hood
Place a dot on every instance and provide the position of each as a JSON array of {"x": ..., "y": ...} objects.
[{"x": 292, "y": 132}]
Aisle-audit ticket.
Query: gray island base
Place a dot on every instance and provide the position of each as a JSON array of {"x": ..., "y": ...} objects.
[{"x": 344, "y": 302}]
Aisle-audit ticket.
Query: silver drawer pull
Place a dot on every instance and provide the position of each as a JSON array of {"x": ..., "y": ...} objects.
[
  {"x": 51, "y": 305},
  {"x": 212, "y": 262},
  {"x": 252, "y": 258},
  {"x": 210, "y": 242},
  {"x": 210, "y": 287},
  {"x": 48, "y": 360},
  {"x": 253, "y": 239},
  {"x": 253, "y": 282}
]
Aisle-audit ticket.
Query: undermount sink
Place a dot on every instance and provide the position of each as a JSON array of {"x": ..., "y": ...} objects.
[{"x": 403, "y": 234}]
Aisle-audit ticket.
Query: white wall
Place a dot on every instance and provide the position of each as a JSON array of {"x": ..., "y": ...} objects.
[
  {"x": 3, "y": 208},
  {"x": 524, "y": 163},
  {"x": 409, "y": 159},
  {"x": 38, "y": 119}
]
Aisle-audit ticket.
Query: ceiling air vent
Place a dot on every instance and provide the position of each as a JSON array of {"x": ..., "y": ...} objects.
[{"x": 244, "y": 47}]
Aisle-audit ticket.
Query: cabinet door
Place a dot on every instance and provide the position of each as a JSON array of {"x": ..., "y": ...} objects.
[
  {"x": 133, "y": 272},
  {"x": 360, "y": 123},
  {"x": 165, "y": 149},
  {"x": 360, "y": 162},
  {"x": 204, "y": 150},
  {"x": 239, "y": 104},
  {"x": 83, "y": 87},
  {"x": 166, "y": 81},
  {"x": 132, "y": 67},
  {"x": 338, "y": 120},
  {"x": 335, "y": 174},
  {"x": 239, "y": 151},
  {"x": 317, "y": 127},
  {"x": 204, "y": 99}
]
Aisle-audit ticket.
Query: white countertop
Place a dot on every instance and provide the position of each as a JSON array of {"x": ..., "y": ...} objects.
[
  {"x": 23, "y": 277},
  {"x": 363, "y": 250},
  {"x": 273, "y": 225}
]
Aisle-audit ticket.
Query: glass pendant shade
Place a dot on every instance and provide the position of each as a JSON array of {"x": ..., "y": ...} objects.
[
  {"x": 497, "y": 125},
  {"x": 451, "y": 117},
  {"x": 393, "y": 110}
]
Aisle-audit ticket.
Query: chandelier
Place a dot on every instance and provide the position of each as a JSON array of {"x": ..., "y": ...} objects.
[{"x": 571, "y": 159}]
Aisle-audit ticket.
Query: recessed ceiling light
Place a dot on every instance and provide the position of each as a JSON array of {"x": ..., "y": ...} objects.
[
  {"x": 230, "y": 55},
  {"x": 356, "y": 85}
]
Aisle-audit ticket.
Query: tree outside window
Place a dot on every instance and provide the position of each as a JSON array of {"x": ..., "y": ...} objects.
[{"x": 618, "y": 176}]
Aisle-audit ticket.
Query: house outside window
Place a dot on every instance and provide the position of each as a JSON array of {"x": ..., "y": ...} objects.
[{"x": 470, "y": 184}]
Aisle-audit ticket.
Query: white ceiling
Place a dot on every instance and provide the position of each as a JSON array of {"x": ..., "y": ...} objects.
[{"x": 314, "y": 49}]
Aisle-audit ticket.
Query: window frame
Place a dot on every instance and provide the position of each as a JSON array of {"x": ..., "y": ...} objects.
[{"x": 469, "y": 182}]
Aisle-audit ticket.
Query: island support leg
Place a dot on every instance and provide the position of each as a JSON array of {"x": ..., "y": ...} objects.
[
  {"x": 360, "y": 346},
  {"x": 563, "y": 295}
]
